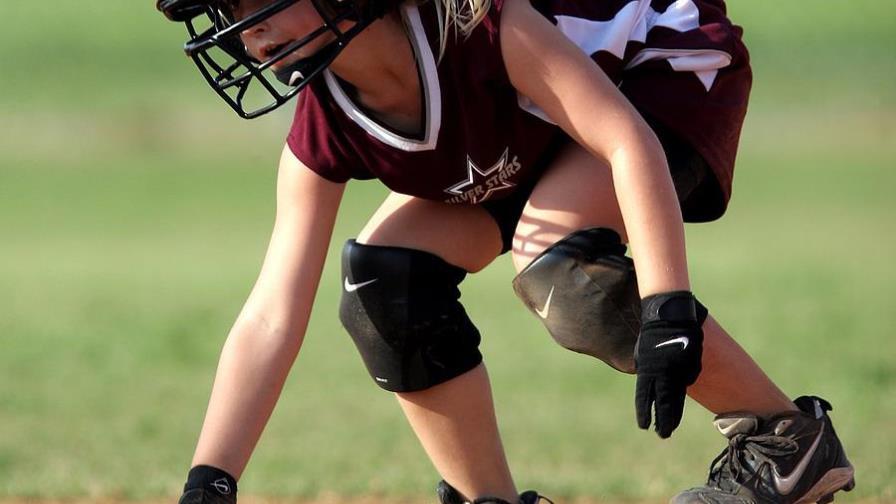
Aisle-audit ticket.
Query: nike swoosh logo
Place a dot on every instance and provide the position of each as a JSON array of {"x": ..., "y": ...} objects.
[
  {"x": 785, "y": 484},
  {"x": 221, "y": 485},
  {"x": 350, "y": 287},
  {"x": 683, "y": 340},
  {"x": 543, "y": 313}
]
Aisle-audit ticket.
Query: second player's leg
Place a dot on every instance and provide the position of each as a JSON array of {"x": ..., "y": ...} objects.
[{"x": 454, "y": 420}]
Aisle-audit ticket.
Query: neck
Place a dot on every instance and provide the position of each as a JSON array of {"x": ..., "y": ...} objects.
[{"x": 379, "y": 64}]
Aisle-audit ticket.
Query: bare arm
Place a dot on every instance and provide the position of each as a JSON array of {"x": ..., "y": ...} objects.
[
  {"x": 558, "y": 77},
  {"x": 267, "y": 335}
]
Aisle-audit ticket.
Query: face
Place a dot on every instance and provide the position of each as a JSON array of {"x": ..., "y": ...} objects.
[{"x": 268, "y": 37}]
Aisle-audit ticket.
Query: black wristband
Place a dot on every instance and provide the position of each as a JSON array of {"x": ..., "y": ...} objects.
[
  {"x": 211, "y": 479},
  {"x": 678, "y": 308},
  {"x": 675, "y": 306}
]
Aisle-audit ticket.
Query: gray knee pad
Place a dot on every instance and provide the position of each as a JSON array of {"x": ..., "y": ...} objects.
[
  {"x": 401, "y": 308},
  {"x": 584, "y": 290}
]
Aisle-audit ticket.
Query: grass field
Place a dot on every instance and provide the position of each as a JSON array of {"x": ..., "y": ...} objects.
[{"x": 135, "y": 209}]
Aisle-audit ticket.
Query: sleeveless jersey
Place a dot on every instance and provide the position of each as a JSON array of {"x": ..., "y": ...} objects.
[{"x": 680, "y": 61}]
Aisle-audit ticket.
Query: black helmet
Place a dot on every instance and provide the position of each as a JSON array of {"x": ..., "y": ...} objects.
[{"x": 214, "y": 45}]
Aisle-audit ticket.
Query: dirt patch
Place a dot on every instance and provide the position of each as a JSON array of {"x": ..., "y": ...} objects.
[
  {"x": 323, "y": 500},
  {"x": 250, "y": 500},
  {"x": 243, "y": 500},
  {"x": 337, "y": 500}
]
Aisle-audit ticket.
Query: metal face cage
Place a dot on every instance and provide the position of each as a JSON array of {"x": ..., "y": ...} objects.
[{"x": 242, "y": 81}]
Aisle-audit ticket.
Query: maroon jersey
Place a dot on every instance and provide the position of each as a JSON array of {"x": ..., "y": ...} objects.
[
  {"x": 481, "y": 140},
  {"x": 477, "y": 143}
]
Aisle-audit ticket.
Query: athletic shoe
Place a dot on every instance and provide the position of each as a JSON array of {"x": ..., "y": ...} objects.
[
  {"x": 789, "y": 458},
  {"x": 449, "y": 495}
]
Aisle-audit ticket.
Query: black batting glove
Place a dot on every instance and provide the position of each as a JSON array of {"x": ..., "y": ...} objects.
[{"x": 667, "y": 357}]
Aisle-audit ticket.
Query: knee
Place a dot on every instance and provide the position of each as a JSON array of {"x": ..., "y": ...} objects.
[
  {"x": 401, "y": 307},
  {"x": 584, "y": 290}
]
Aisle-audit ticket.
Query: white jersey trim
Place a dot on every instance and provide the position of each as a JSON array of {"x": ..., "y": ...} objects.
[
  {"x": 703, "y": 62},
  {"x": 432, "y": 92}
]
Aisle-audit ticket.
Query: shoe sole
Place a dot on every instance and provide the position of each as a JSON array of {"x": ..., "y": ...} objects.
[{"x": 840, "y": 478}]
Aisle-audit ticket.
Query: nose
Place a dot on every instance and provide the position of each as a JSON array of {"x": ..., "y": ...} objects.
[
  {"x": 252, "y": 38},
  {"x": 255, "y": 29}
]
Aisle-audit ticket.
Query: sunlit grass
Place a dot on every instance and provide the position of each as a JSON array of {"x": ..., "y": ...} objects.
[{"x": 134, "y": 212}]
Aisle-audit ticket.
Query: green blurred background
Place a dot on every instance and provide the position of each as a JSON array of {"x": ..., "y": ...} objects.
[{"x": 135, "y": 210}]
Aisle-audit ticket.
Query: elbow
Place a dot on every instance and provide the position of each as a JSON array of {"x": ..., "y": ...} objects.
[
  {"x": 637, "y": 146},
  {"x": 261, "y": 334}
]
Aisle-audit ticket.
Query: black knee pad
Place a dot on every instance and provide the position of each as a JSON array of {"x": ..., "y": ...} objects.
[
  {"x": 401, "y": 307},
  {"x": 584, "y": 290}
]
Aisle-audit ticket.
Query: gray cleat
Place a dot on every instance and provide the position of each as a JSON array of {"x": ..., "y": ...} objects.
[{"x": 789, "y": 458}]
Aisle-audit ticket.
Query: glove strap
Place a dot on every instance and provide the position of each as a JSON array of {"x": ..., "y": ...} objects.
[
  {"x": 675, "y": 306},
  {"x": 211, "y": 479}
]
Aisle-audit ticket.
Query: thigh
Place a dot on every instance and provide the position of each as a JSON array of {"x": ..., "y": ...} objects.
[
  {"x": 463, "y": 235},
  {"x": 575, "y": 192}
]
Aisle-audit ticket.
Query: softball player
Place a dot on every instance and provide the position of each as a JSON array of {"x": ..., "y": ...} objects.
[{"x": 559, "y": 131}]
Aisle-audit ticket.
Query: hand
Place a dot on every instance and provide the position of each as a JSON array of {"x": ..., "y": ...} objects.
[{"x": 667, "y": 357}]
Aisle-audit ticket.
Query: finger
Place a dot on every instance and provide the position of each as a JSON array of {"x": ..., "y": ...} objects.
[
  {"x": 644, "y": 397},
  {"x": 670, "y": 396}
]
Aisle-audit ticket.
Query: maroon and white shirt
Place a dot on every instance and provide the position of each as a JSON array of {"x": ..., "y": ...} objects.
[{"x": 481, "y": 140}]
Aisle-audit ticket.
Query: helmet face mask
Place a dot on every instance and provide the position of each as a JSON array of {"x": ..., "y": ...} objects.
[{"x": 241, "y": 80}]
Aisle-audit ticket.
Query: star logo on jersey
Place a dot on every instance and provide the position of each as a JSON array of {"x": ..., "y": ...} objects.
[{"x": 479, "y": 185}]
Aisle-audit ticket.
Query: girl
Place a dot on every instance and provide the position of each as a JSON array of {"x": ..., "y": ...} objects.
[{"x": 557, "y": 130}]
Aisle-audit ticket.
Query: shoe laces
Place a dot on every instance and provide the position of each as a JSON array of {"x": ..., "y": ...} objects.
[{"x": 748, "y": 455}]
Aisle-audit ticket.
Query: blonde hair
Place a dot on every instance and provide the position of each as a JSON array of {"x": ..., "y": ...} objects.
[{"x": 462, "y": 15}]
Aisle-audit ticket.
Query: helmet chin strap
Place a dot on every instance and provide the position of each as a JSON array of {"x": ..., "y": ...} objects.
[{"x": 291, "y": 75}]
